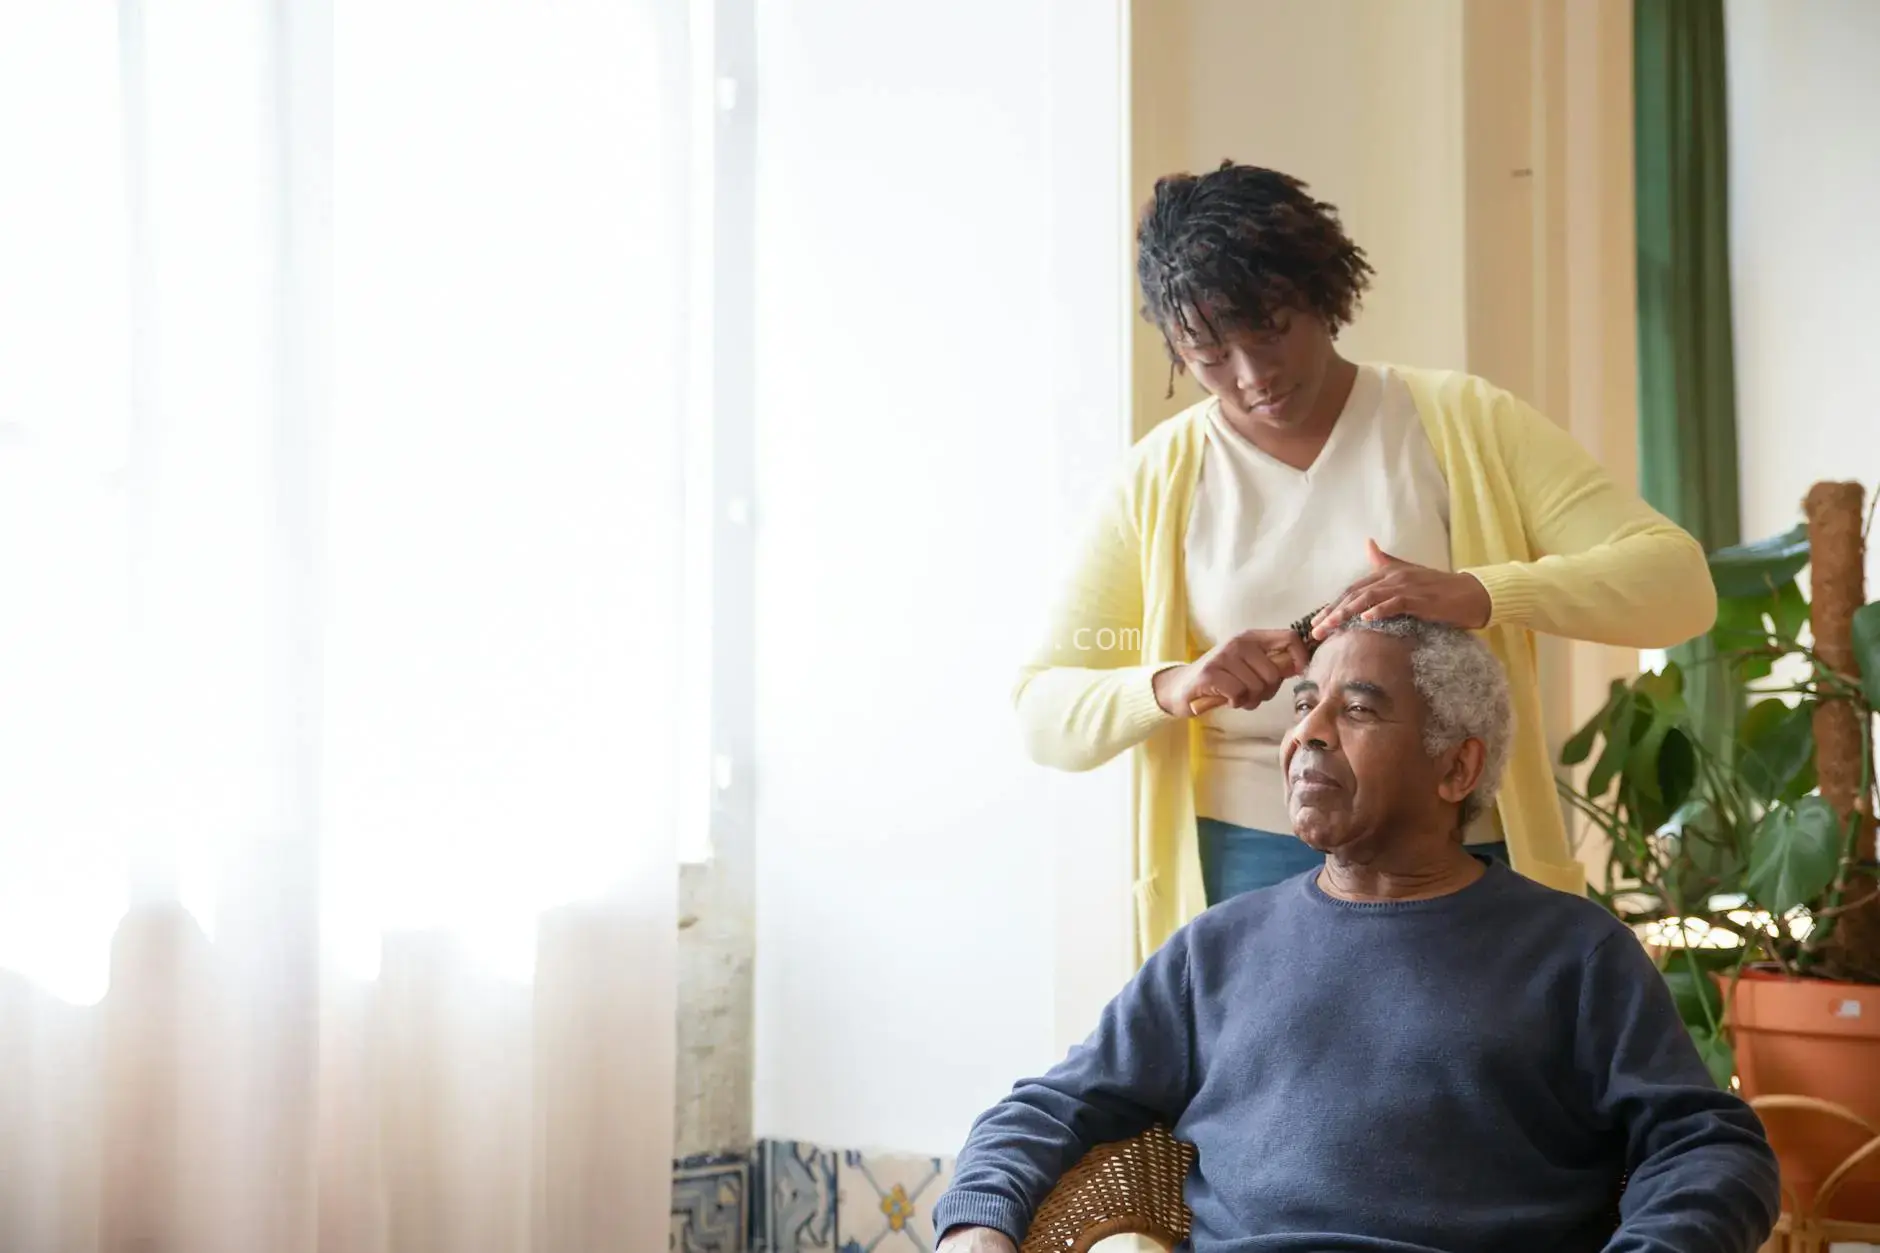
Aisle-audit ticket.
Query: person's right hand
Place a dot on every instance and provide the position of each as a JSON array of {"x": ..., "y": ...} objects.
[
  {"x": 1245, "y": 671},
  {"x": 976, "y": 1240}
]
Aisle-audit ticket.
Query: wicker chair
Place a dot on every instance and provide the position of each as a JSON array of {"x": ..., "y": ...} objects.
[{"x": 1132, "y": 1187}]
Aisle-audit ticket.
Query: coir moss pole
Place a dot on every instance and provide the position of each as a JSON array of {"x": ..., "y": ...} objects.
[
  {"x": 1835, "y": 582},
  {"x": 1837, "y": 561}
]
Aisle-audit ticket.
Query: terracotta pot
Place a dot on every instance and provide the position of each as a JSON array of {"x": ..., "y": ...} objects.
[{"x": 1819, "y": 1042}]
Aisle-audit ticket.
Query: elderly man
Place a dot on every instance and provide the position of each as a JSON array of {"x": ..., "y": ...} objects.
[{"x": 1431, "y": 1053}]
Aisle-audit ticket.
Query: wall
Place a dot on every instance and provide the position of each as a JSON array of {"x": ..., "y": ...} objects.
[
  {"x": 940, "y": 373},
  {"x": 1804, "y": 180}
]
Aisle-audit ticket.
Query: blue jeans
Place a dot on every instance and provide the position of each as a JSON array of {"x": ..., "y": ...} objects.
[{"x": 1240, "y": 859}]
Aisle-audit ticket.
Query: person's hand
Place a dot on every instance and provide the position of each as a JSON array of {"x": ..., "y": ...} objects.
[
  {"x": 1244, "y": 672},
  {"x": 976, "y": 1240},
  {"x": 1395, "y": 587}
]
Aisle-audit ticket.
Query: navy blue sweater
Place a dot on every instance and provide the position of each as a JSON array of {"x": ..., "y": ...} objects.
[{"x": 1473, "y": 1072}]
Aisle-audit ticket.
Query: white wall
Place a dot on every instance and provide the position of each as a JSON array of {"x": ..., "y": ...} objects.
[
  {"x": 940, "y": 345},
  {"x": 1804, "y": 269}
]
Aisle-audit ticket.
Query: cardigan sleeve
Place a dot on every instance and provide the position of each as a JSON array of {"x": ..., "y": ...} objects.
[
  {"x": 1608, "y": 568},
  {"x": 1087, "y": 695}
]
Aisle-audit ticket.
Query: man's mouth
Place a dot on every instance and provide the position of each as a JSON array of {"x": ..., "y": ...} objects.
[{"x": 1310, "y": 780}]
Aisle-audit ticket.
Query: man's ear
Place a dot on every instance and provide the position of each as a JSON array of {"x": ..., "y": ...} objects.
[{"x": 1462, "y": 770}]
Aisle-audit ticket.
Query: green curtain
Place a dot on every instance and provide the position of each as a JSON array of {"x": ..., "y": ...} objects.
[{"x": 1686, "y": 368}]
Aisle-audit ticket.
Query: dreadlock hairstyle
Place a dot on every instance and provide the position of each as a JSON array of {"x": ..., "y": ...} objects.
[{"x": 1236, "y": 246}]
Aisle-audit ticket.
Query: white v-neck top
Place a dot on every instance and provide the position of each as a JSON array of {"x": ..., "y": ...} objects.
[{"x": 1268, "y": 544}]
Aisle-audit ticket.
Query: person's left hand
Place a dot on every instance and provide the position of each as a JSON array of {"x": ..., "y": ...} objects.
[{"x": 1396, "y": 587}]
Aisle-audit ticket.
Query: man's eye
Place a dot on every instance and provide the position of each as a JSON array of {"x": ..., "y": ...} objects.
[
  {"x": 1358, "y": 711},
  {"x": 1302, "y": 707}
]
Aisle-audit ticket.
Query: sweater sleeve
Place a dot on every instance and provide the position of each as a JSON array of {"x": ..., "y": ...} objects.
[
  {"x": 1610, "y": 569},
  {"x": 1702, "y": 1178},
  {"x": 1133, "y": 1072},
  {"x": 1086, "y": 694}
]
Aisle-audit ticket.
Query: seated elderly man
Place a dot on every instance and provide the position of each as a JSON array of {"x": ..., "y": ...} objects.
[{"x": 1411, "y": 1049}]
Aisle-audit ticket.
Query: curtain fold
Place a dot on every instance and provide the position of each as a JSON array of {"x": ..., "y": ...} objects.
[
  {"x": 342, "y": 554},
  {"x": 1687, "y": 375}
]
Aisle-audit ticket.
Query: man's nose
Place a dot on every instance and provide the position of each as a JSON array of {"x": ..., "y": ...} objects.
[{"x": 1317, "y": 729}]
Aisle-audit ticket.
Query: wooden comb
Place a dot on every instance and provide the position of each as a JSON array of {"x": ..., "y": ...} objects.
[{"x": 1211, "y": 701}]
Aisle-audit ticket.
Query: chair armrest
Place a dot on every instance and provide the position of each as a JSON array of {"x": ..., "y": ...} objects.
[{"x": 1130, "y": 1187}]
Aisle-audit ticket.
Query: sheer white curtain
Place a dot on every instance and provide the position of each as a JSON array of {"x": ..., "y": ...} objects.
[{"x": 342, "y": 373}]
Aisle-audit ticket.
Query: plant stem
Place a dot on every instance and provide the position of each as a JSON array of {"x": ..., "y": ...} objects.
[
  {"x": 1710, "y": 1017},
  {"x": 1833, "y": 911}
]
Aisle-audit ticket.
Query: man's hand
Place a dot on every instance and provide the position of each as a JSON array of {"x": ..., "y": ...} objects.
[
  {"x": 1244, "y": 672},
  {"x": 1396, "y": 587},
  {"x": 976, "y": 1240}
]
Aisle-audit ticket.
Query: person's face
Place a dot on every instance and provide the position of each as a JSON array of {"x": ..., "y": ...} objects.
[
  {"x": 1357, "y": 773},
  {"x": 1269, "y": 378}
]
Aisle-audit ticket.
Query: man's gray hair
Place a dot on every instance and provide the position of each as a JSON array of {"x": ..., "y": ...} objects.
[{"x": 1466, "y": 692}]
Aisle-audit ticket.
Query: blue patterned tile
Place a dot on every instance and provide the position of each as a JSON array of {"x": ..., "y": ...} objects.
[
  {"x": 797, "y": 1187},
  {"x": 711, "y": 1205}
]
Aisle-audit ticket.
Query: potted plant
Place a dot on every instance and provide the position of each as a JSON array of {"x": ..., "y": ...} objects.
[{"x": 1744, "y": 855}]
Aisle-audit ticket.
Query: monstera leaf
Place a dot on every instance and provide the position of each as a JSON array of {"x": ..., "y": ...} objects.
[
  {"x": 1759, "y": 569},
  {"x": 1795, "y": 853},
  {"x": 1579, "y": 745},
  {"x": 1709, "y": 859},
  {"x": 1867, "y": 650},
  {"x": 1777, "y": 743}
]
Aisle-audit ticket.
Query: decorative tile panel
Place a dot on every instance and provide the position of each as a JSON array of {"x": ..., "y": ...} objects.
[
  {"x": 884, "y": 1202},
  {"x": 787, "y": 1196},
  {"x": 799, "y": 1197},
  {"x": 711, "y": 1205}
]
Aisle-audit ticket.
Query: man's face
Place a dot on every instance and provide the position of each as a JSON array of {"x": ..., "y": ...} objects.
[
  {"x": 1270, "y": 378},
  {"x": 1357, "y": 773}
]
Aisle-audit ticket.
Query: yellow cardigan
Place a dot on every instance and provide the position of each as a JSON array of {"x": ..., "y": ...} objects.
[{"x": 1560, "y": 547}]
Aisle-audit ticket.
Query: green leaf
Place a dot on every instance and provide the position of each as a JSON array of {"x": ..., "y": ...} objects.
[
  {"x": 1760, "y": 568},
  {"x": 1580, "y": 745},
  {"x": 1664, "y": 686},
  {"x": 1740, "y": 621},
  {"x": 1759, "y": 721},
  {"x": 1867, "y": 650},
  {"x": 1705, "y": 860},
  {"x": 1618, "y": 747},
  {"x": 1719, "y": 1057},
  {"x": 1695, "y": 993},
  {"x": 1778, "y": 742},
  {"x": 1796, "y": 850},
  {"x": 1717, "y": 859},
  {"x": 1804, "y": 781},
  {"x": 1659, "y": 712},
  {"x": 1790, "y": 613},
  {"x": 1687, "y": 817},
  {"x": 1677, "y": 767}
]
